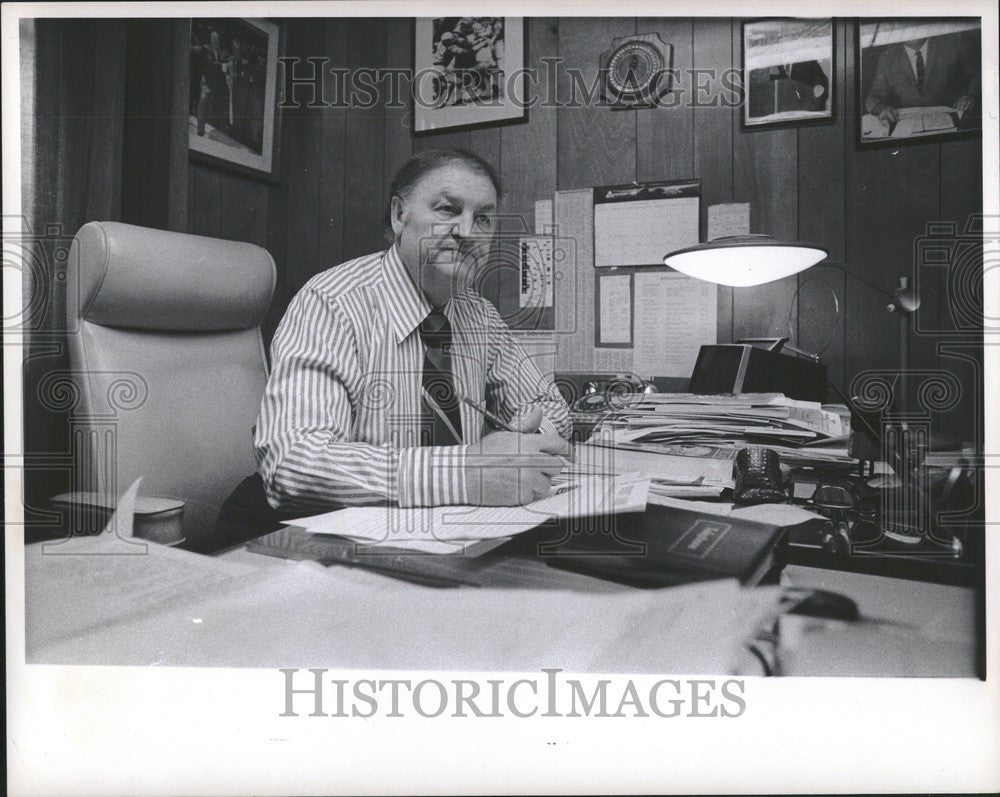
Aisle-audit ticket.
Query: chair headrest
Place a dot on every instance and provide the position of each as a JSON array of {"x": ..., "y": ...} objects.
[{"x": 142, "y": 278}]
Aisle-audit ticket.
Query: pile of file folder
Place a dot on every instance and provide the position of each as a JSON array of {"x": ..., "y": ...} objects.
[{"x": 717, "y": 426}]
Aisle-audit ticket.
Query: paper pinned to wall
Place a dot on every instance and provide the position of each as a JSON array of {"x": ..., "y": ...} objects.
[
  {"x": 615, "y": 322},
  {"x": 728, "y": 219},
  {"x": 543, "y": 216},
  {"x": 637, "y": 225},
  {"x": 675, "y": 316}
]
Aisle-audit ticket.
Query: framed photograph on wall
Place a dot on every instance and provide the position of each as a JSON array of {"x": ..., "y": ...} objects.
[
  {"x": 232, "y": 96},
  {"x": 788, "y": 71},
  {"x": 467, "y": 71},
  {"x": 918, "y": 79}
]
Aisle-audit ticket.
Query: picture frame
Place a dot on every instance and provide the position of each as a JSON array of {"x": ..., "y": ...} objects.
[
  {"x": 233, "y": 114},
  {"x": 467, "y": 71},
  {"x": 788, "y": 72},
  {"x": 894, "y": 105}
]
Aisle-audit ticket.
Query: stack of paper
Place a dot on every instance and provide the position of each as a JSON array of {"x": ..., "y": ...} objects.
[
  {"x": 660, "y": 423},
  {"x": 678, "y": 471}
]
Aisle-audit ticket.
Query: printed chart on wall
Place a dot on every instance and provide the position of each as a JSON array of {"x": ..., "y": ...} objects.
[
  {"x": 674, "y": 316},
  {"x": 636, "y": 225}
]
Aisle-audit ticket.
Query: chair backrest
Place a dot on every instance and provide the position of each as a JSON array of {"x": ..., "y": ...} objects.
[{"x": 168, "y": 361}]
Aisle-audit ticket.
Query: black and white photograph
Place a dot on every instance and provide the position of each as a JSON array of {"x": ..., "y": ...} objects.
[
  {"x": 918, "y": 78},
  {"x": 232, "y": 85},
  {"x": 388, "y": 411},
  {"x": 466, "y": 70},
  {"x": 788, "y": 71}
]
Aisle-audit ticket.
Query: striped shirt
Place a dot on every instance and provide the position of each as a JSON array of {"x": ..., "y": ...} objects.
[{"x": 341, "y": 414}]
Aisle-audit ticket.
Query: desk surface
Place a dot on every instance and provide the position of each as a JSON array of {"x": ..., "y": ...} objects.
[
  {"x": 906, "y": 628},
  {"x": 246, "y": 609}
]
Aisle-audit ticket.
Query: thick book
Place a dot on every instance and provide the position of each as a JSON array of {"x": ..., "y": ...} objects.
[{"x": 665, "y": 546}]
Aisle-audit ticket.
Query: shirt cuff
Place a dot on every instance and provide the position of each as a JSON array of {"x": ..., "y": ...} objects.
[
  {"x": 547, "y": 427},
  {"x": 432, "y": 476}
]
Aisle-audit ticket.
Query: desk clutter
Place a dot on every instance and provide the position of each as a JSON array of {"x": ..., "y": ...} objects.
[
  {"x": 910, "y": 519},
  {"x": 707, "y": 425}
]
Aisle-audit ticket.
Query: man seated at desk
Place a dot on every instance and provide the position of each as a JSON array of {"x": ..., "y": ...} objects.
[
  {"x": 923, "y": 73},
  {"x": 378, "y": 363}
]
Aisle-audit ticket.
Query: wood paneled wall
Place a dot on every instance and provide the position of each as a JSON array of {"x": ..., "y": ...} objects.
[{"x": 808, "y": 182}]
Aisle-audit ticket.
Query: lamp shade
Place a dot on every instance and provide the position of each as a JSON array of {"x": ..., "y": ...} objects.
[{"x": 744, "y": 260}]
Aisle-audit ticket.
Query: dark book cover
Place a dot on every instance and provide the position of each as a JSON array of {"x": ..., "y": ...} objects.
[{"x": 664, "y": 546}]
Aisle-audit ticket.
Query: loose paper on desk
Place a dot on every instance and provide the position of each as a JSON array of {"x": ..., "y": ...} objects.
[
  {"x": 443, "y": 529},
  {"x": 309, "y": 611},
  {"x": 675, "y": 316},
  {"x": 87, "y": 582},
  {"x": 728, "y": 219},
  {"x": 616, "y": 309}
]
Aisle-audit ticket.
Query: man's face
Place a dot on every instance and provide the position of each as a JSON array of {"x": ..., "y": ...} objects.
[
  {"x": 215, "y": 41},
  {"x": 443, "y": 228}
]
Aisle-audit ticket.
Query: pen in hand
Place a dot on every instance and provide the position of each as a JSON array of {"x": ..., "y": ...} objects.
[
  {"x": 497, "y": 422},
  {"x": 493, "y": 419}
]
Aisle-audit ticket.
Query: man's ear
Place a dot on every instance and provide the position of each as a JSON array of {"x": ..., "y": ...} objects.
[{"x": 396, "y": 211}]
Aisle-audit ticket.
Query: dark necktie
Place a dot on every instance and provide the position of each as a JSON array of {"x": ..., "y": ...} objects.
[
  {"x": 439, "y": 381},
  {"x": 920, "y": 72}
]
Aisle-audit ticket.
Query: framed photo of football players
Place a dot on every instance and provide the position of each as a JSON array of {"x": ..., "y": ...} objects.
[{"x": 467, "y": 71}]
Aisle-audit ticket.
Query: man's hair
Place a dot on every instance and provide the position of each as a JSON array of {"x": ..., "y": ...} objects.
[{"x": 423, "y": 163}]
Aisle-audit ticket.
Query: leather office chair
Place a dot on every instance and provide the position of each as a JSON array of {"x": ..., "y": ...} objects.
[{"x": 169, "y": 364}]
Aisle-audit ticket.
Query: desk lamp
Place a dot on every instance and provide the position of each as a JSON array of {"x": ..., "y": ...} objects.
[{"x": 741, "y": 261}]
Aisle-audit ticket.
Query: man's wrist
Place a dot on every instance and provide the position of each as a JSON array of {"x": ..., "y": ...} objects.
[{"x": 432, "y": 476}]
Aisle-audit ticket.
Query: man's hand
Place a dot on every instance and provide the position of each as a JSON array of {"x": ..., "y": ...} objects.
[
  {"x": 889, "y": 115},
  {"x": 514, "y": 468},
  {"x": 963, "y": 103}
]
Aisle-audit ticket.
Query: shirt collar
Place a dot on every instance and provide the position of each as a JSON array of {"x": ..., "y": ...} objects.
[{"x": 408, "y": 305}]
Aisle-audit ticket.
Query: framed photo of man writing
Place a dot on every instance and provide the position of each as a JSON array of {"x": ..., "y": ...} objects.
[
  {"x": 232, "y": 97},
  {"x": 918, "y": 79},
  {"x": 467, "y": 71}
]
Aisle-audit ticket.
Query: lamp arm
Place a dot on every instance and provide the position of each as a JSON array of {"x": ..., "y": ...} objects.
[
  {"x": 840, "y": 266},
  {"x": 905, "y": 301}
]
